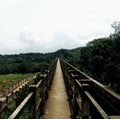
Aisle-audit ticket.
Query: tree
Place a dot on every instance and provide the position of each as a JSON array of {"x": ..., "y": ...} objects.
[
  {"x": 116, "y": 26},
  {"x": 116, "y": 35}
]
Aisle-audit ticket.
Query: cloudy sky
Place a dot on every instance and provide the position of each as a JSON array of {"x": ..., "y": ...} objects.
[{"x": 49, "y": 25}]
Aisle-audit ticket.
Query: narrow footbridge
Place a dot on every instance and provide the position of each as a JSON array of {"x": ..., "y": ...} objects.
[{"x": 65, "y": 92}]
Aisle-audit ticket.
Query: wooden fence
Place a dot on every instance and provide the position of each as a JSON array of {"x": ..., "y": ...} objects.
[
  {"x": 88, "y": 98},
  {"x": 35, "y": 100},
  {"x": 16, "y": 86}
]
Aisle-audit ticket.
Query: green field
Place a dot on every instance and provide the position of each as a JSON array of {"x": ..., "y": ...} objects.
[{"x": 9, "y": 80}]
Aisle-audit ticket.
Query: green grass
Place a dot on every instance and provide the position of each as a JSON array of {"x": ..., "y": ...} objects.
[{"x": 8, "y": 80}]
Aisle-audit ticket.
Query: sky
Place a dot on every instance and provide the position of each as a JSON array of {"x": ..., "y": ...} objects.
[{"x": 48, "y": 25}]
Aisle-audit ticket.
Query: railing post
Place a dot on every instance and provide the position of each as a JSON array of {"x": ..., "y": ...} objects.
[
  {"x": 42, "y": 95},
  {"x": 85, "y": 107},
  {"x": 75, "y": 111},
  {"x": 75, "y": 97},
  {"x": 32, "y": 113}
]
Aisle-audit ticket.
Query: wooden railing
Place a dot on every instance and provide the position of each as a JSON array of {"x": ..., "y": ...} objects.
[
  {"x": 35, "y": 100},
  {"x": 17, "y": 85},
  {"x": 88, "y": 98}
]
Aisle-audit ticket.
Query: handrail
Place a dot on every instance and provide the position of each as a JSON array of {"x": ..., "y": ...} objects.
[
  {"x": 16, "y": 86},
  {"x": 37, "y": 96},
  {"x": 21, "y": 106},
  {"x": 87, "y": 96},
  {"x": 97, "y": 106}
]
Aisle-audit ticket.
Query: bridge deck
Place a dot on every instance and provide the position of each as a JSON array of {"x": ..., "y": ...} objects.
[{"x": 57, "y": 106}]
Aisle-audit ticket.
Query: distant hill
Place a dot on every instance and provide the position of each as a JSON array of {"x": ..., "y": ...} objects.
[
  {"x": 72, "y": 56},
  {"x": 35, "y": 62}
]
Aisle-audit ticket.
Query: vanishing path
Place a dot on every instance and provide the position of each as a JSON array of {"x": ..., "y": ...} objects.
[{"x": 57, "y": 106}]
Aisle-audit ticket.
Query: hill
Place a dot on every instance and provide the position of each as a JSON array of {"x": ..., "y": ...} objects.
[{"x": 35, "y": 62}]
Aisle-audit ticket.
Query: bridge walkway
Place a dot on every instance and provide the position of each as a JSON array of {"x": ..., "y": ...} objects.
[{"x": 57, "y": 106}]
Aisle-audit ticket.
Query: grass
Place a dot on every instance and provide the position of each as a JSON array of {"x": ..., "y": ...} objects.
[{"x": 8, "y": 80}]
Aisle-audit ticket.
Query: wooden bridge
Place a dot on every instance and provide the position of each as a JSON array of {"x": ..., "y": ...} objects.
[{"x": 65, "y": 92}]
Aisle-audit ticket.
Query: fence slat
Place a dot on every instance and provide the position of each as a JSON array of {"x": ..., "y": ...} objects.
[{"x": 19, "y": 109}]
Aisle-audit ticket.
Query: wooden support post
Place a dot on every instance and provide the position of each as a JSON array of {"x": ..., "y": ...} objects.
[
  {"x": 48, "y": 79},
  {"x": 85, "y": 107},
  {"x": 75, "y": 110},
  {"x": 42, "y": 95},
  {"x": 33, "y": 111}
]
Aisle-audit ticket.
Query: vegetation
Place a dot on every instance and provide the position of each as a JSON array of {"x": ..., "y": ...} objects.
[
  {"x": 10, "y": 79},
  {"x": 25, "y": 63},
  {"x": 35, "y": 62},
  {"x": 101, "y": 59}
]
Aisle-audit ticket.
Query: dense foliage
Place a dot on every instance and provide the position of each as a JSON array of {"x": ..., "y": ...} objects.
[
  {"x": 34, "y": 62},
  {"x": 25, "y": 63},
  {"x": 101, "y": 59}
]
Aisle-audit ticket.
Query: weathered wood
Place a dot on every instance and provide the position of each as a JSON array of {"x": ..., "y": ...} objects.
[
  {"x": 106, "y": 98},
  {"x": 19, "y": 109},
  {"x": 97, "y": 106},
  {"x": 37, "y": 97},
  {"x": 33, "y": 108},
  {"x": 115, "y": 117}
]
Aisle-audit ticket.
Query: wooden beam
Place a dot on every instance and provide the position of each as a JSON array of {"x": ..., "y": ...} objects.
[
  {"x": 115, "y": 117},
  {"x": 19, "y": 109},
  {"x": 97, "y": 106}
]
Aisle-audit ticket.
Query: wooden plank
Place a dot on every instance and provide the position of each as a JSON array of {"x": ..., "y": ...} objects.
[
  {"x": 78, "y": 83},
  {"x": 115, "y": 117},
  {"x": 39, "y": 103},
  {"x": 97, "y": 106},
  {"x": 83, "y": 86},
  {"x": 84, "y": 80},
  {"x": 39, "y": 83},
  {"x": 20, "y": 107},
  {"x": 78, "y": 100}
]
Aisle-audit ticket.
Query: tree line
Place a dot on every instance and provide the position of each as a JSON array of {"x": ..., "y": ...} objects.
[
  {"x": 25, "y": 63},
  {"x": 34, "y": 62},
  {"x": 101, "y": 58}
]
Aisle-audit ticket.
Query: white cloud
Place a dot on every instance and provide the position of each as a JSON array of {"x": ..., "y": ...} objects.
[{"x": 47, "y": 25}]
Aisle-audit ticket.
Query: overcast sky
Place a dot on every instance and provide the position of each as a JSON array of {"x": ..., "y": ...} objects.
[{"x": 49, "y": 25}]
